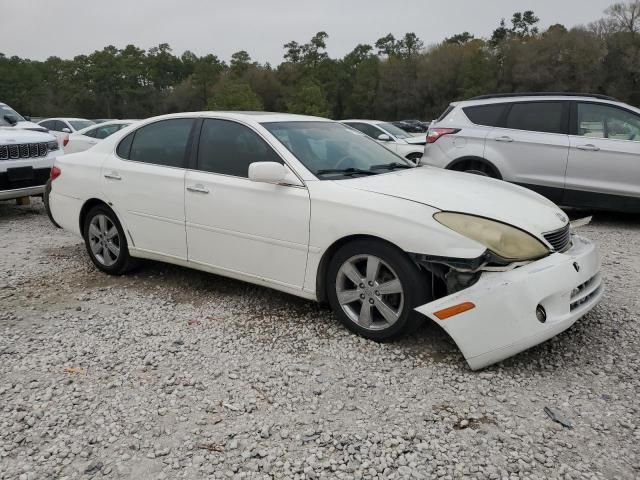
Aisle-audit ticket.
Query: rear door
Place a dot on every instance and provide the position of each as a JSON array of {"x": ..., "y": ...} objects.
[
  {"x": 532, "y": 145},
  {"x": 145, "y": 183},
  {"x": 604, "y": 157}
]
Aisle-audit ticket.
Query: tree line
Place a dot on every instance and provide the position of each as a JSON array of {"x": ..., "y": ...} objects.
[{"x": 392, "y": 78}]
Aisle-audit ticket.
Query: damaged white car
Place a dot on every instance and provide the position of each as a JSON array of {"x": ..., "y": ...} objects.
[{"x": 316, "y": 209}]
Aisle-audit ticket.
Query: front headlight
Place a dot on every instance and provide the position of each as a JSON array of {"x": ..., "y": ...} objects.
[
  {"x": 53, "y": 145},
  {"x": 504, "y": 240}
]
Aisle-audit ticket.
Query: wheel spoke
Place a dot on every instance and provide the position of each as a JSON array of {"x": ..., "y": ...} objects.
[
  {"x": 390, "y": 287},
  {"x": 105, "y": 255},
  {"x": 352, "y": 273},
  {"x": 387, "y": 312},
  {"x": 96, "y": 247},
  {"x": 102, "y": 221},
  {"x": 113, "y": 248},
  {"x": 348, "y": 296},
  {"x": 93, "y": 230},
  {"x": 373, "y": 266},
  {"x": 364, "y": 319},
  {"x": 112, "y": 232}
]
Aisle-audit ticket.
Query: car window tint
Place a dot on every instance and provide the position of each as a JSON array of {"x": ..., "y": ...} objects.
[
  {"x": 367, "y": 129},
  {"x": 162, "y": 143},
  {"x": 103, "y": 132},
  {"x": 603, "y": 121},
  {"x": 48, "y": 124},
  {"x": 91, "y": 133},
  {"x": 124, "y": 147},
  {"x": 229, "y": 148},
  {"x": 536, "y": 116},
  {"x": 488, "y": 115}
]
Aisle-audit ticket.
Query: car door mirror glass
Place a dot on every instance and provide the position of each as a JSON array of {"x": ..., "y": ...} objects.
[
  {"x": 383, "y": 137},
  {"x": 66, "y": 130}
]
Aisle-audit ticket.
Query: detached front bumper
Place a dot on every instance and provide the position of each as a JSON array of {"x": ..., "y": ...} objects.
[{"x": 503, "y": 321}]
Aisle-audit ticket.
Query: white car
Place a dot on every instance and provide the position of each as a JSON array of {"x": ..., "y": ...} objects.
[
  {"x": 89, "y": 136},
  {"x": 61, "y": 128},
  {"x": 577, "y": 150},
  {"x": 395, "y": 139},
  {"x": 313, "y": 208},
  {"x": 26, "y": 158}
]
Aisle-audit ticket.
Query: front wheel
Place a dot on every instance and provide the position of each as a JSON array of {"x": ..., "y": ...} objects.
[
  {"x": 106, "y": 242},
  {"x": 373, "y": 288}
]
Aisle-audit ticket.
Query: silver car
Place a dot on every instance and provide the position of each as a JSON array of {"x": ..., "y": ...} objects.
[{"x": 578, "y": 150}]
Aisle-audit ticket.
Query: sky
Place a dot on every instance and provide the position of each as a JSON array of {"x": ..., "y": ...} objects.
[{"x": 38, "y": 29}]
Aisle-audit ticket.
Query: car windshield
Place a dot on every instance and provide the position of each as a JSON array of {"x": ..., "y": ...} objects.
[
  {"x": 80, "y": 124},
  {"x": 332, "y": 150},
  {"x": 393, "y": 130},
  {"x": 6, "y": 113}
]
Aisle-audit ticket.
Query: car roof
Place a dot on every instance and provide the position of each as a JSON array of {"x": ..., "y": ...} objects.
[
  {"x": 105, "y": 124},
  {"x": 371, "y": 122},
  {"x": 491, "y": 100},
  {"x": 65, "y": 118},
  {"x": 257, "y": 117}
]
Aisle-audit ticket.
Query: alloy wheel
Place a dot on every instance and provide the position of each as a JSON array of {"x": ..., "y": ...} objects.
[
  {"x": 104, "y": 240},
  {"x": 369, "y": 292}
]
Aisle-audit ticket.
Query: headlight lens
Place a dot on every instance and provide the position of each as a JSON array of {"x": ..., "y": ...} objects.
[
  {"x": 53, "y": 145},
  {"x": 504, "y": 240}
]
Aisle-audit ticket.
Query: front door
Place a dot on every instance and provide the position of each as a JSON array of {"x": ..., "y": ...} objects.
[
  {"x": 237, "y": 225},
  {"x": 604, "y": 158}
]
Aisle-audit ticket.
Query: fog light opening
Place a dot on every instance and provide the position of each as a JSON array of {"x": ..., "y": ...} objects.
[{"x": 541, "y": 314}]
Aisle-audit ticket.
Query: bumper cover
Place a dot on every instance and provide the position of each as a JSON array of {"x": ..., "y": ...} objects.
[{"x": 504, "y": 321}]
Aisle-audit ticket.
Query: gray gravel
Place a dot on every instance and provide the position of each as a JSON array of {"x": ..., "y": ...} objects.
[{"x": 172, "y": 373}]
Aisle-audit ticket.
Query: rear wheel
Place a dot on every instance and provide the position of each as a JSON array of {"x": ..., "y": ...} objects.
[
  {"x": 106, "y": 242},
  {"x": 373, "y": 288},
  {"x": 414, "y": 157},
  {"x": 476, "y": 167}
]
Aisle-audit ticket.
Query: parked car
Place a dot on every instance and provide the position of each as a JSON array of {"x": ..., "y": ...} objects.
[
  {"x": 578, "y": 150},
  {"x": 26, "y": 158},
  {"x": 63, "y": 127},
  {"x": 10, "y": 118},
  {"x": 89, "y": 136},
  {"x": 412, "y": 126},
  {"x": 392, "y": 137},
  {"x": 313, "y": 208}
]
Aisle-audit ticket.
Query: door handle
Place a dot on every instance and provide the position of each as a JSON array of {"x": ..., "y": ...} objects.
[
  {"x": 197, "y": 188},
  {"x": 504, "y": 138},
  {"x": 588, "y": 148},
  {"x": 112, "y": 175}
]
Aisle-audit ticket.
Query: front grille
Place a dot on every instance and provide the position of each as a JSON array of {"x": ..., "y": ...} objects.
[
  {"x": 23, "y": 150},
  {"x": 585, "y": 292},
  {"x": 560, "y": 239}
]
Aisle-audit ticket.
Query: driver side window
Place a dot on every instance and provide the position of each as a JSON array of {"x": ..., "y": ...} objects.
[
  {"x": 604, "y": 121},
  {"x": 368, "y": 130}
]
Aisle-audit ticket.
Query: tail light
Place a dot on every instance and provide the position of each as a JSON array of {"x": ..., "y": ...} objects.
[
  {"x": 55, "y": 173},
  {"x": 65, "y": 140},
  {"x": 435, "y": 133}
]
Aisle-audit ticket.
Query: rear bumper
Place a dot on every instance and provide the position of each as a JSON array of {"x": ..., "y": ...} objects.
[{"x": 503, "y": 322}]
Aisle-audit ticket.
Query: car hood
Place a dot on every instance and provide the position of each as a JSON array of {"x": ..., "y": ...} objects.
[
  {"x": 29, "y": 126},
  {"x": 9, "y": 135},
  {"x": 417, "y": 140},
  {"x": 466, "y": 193}
]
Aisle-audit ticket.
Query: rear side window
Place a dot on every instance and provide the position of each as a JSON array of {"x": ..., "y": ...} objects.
[
  {"x": 445, "y": 113},
  {"x": 161, "y": 143},
  {"x": 545, "y": 117},
  {"x": 229, "y": 148},
  {"x": 488, "y": 115},
  {"x": 124, "y": 147}
]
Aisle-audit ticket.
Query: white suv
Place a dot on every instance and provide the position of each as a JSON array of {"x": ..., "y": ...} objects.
[
  {"x": 26, "y": 159},
  {"x": 577, "y": 150}
]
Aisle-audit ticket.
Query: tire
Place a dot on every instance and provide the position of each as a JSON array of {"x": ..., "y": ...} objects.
[
  {"x": 45, "y": 200},
  {"x": 477, "y": 167},
  {"x": 106, "y": 239},
  {"x": 414, "y": 157},
  {"x": 352, "y": 291}
]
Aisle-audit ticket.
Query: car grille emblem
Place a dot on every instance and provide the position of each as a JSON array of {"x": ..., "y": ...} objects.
[{"x": 561, "y": 217}]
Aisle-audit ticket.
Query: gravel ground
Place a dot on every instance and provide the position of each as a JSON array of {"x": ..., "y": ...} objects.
[{"x": 172, "y": 373}]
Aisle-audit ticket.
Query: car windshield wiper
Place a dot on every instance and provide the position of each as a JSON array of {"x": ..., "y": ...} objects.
[
  {"x": 346, "y": 171},
  {"x": 391, "y": 166}
]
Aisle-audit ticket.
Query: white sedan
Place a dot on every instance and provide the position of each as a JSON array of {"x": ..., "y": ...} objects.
[
  {"x": 316, "y": 209},
  {"x": 89, "y": 136},
  {"x": 395, "y": 139}
]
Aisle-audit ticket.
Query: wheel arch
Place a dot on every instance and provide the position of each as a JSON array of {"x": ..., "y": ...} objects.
[
  {"x": 321, "y": 274},
  {"x": 87, "y": 206},
  {"x": 470, "y": 158}
]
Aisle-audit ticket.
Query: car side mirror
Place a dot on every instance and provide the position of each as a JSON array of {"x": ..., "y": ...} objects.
[
  {"x": 66, "y": 130},
  {"x": 12, "y": 120},
  {"x": 383, "y": 137},
  {"x": 272, "y": 172}
]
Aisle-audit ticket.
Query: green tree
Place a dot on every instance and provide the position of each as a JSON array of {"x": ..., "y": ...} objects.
[
  {"x": 234, "y": 95},
  {"x": 308, "y": 99}
]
